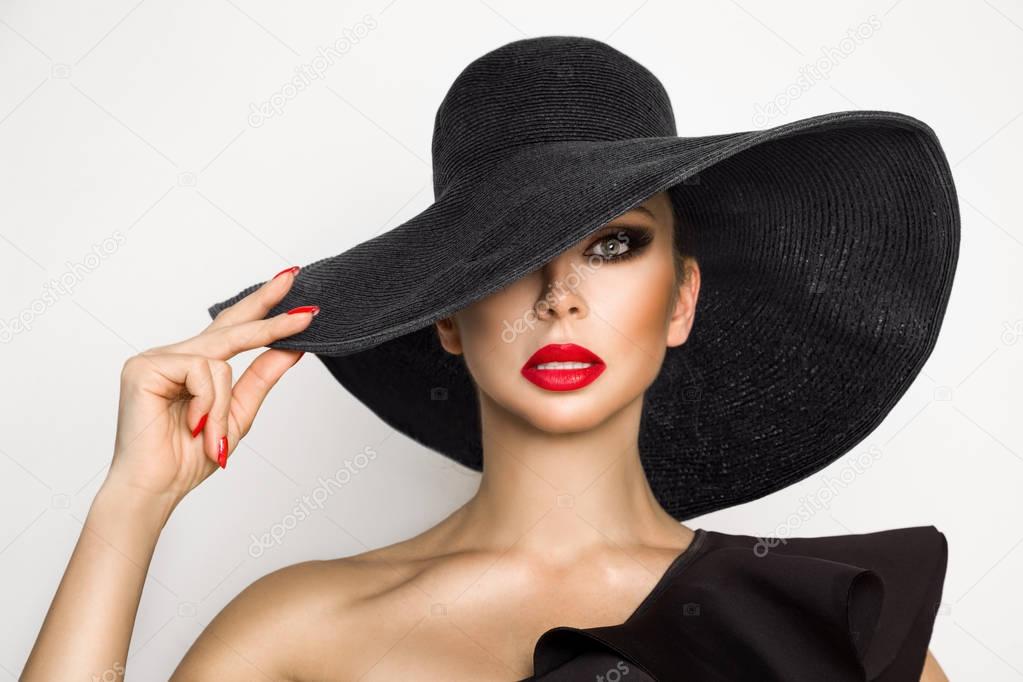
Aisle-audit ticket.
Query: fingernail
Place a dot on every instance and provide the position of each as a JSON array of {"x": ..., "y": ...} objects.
[
  {"x": 293, "y": 269},
  {"x": 305, "y": 309},
  {"x": 222, "y": 452},
  {"x": 198, "y": 427}
]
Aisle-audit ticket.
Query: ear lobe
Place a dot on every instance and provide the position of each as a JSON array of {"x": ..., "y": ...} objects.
[{"x": 680, "y": 324}]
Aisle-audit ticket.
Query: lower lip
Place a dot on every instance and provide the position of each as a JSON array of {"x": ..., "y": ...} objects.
[{"x": 564, "y": 379}]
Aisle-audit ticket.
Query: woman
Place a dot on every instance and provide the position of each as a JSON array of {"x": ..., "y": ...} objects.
[{"x": 566, "y": 538}]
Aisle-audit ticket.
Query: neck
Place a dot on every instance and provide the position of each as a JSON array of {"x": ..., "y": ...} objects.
[{"x": 562, "y": 494}]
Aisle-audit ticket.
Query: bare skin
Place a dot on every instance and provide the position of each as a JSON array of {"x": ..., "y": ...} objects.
[
  {"x": 564, "y": 529},
  {"x": 163, "y": 394}
]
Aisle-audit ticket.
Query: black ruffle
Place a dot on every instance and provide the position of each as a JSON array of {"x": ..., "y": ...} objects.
[{"x": 836, "y": 608}]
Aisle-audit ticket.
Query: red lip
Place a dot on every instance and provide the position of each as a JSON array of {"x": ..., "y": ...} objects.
[{"x": 563, "y": 379}]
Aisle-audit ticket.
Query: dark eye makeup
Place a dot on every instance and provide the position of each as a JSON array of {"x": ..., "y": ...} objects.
[{"x": 621, "y": 243}]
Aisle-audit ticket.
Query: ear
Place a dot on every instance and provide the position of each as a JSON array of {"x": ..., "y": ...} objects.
[
  {"x": 450, "y": 338},
  {"x": 681, "y": 321}
]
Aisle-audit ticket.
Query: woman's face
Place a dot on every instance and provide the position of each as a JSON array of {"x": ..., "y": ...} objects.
[{"x": 611, "y": 295}]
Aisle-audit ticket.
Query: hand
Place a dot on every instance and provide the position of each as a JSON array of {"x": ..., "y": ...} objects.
[{"x": 171, "y": 392}]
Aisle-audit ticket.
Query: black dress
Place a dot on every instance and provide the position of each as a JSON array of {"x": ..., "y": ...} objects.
[{"x": 737, "y": 607}]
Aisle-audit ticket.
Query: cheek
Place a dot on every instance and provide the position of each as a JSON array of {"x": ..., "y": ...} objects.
[
  {"x": 634, "y": 307},
  {"x": 491, "y": 329}
]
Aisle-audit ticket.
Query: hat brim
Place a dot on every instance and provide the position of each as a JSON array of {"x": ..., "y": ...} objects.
[{"x": 827, "y": 248}]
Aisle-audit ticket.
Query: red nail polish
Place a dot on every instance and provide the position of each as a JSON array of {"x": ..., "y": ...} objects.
[
  {"x": 305, "y": 309},
  {"x": 292, "y": 269},
  {"x": 222, "y": 452},
  {"x": 198, "y": 427}
]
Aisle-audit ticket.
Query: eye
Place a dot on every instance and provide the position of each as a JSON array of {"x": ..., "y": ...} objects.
[{"x": 621, "y": 244}]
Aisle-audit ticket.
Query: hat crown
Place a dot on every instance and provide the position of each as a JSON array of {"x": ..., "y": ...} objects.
[{"x": 546, "y": 89}]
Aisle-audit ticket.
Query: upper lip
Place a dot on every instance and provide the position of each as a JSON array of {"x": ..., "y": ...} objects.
[{"x": 563, "y": 352}]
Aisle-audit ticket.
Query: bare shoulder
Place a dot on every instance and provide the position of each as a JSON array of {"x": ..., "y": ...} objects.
[
  {"x": 932, "y": 672},
  {"x": 304, "y": 621}
]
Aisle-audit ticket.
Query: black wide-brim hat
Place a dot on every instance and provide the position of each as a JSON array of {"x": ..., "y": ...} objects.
[{"x": 827, "y": 248}]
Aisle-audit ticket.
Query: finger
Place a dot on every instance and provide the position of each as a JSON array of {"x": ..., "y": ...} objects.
[
  {"x": 226, "y": 342},
  {"x": 199, "y": 383},
  {"x": 256, "y": 382},
  {"x": 163, "y": 375},
  {"x": 216, "y": 443},
  {"x": 256, "y": 305}
]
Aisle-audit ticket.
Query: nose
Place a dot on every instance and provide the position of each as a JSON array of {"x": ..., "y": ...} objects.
[{"x": 561, "y": 293}]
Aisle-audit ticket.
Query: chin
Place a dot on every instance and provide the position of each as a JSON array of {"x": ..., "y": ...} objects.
[{"x": 572, "y": 411}]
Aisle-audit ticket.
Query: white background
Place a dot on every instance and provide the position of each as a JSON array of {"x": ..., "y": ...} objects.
[{"x": 128, "y": 124}]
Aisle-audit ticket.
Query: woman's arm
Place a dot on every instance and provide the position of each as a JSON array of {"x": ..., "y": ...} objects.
[
  {"x": 178, "y": 418},
  {"x": 86, "y": 632}
]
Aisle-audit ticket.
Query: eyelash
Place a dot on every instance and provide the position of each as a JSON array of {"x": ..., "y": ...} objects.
[{"x": 634, "y": 238}]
